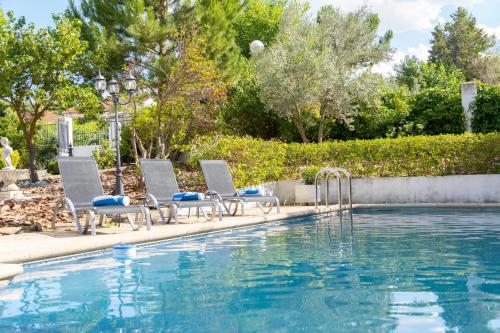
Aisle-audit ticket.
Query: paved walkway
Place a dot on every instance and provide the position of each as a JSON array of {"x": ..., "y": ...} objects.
[{"x": 64, "y": 241}]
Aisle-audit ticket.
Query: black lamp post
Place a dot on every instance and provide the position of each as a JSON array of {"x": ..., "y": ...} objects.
[{"x": 113, "y": 88}]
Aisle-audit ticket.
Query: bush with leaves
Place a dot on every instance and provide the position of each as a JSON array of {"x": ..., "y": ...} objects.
[
  {"x": 15, "y": 158},
  {"x": 486, "y": 116},
  {"x": 436, "y": 111},
  {"x": 104, "y": 156},
  {"x": 254, "y": 161},
  {"x": 309, "y": 175},
  {"x": 251, "y": 161}
]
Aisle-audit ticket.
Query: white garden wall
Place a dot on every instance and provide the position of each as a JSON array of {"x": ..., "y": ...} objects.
[{"x": 401, "y": 190}]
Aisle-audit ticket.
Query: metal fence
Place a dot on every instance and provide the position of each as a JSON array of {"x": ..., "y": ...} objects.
[
  {"x": 47, "y": 133},
  {"x": 85, "y": 138}
]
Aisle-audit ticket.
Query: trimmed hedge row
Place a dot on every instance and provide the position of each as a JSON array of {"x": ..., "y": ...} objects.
[{"x": 255, "y": 161}]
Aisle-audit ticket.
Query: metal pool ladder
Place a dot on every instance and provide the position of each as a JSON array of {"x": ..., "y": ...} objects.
[{"x": 337, "y": 172}]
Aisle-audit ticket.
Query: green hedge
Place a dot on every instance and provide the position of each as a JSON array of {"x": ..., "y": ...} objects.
[
  {"x": 487, "y": 109},
  {"x": 255, "y": 161}
]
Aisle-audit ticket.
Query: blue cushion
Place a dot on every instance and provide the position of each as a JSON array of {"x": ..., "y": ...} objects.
[
  {"x": 111, "y": 200},
  {"x": 187, "y": 196},
  {"x": 250, "y": 192}
]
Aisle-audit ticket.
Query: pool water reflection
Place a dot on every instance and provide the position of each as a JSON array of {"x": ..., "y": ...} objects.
[{"x": 390, "y": 271}]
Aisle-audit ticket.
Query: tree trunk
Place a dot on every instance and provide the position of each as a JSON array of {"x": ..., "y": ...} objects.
[
  {"x": 321, "y": 127},
  {"x": 300, "y": 126},
  {"x": 30, "y": 143},
  {"x": 134, "y": 145}
]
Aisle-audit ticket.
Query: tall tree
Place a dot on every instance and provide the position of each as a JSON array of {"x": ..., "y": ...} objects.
[
  {"x": 38, "y": 71},
  {"x": 287, "y": 71},
  {"x": 174, "y": 53},
  {"x": 460, "y": 43},
  {"x": 322, "y": 69},
  {"x": 216, "y": 28},
  {"x": 349, "y": 47},
  {"x": 418, "y": 75}
]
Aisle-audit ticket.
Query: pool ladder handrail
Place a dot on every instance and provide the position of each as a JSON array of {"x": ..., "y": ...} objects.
[{"x": 337, "y": 173}]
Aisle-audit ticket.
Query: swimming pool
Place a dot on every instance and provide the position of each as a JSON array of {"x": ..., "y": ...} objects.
[{"x": 392, "y": 271}]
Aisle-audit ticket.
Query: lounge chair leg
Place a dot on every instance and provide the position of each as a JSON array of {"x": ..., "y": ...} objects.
[
  {"x": 175, "y": 214},
  {"x": 101, "y": 219},
  {"x": 59, "y": 205},
  {"x": 242, "y": 208},
  {"x": 90, "y": 219},
  {"x": 54, "y": 217},
  {"x": 277, "y": 205},
  {"x": 131, "y": 222},
  {"x": 147, "y": 217},
  {"x": 162, "y": 217},
  {"x": 221, "y": 209},
  {"x": 204, "y": 214},
  {"x": 198, "y": 212}
]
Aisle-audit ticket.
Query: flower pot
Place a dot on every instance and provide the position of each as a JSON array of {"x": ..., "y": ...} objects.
[{"x": 305, "y": 193}]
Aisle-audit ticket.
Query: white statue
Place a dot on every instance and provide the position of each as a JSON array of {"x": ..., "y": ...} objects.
[{"x": 6, "y": 152}]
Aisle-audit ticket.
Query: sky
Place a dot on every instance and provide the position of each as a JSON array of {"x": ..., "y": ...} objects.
[{"x": 412, "y": 21}]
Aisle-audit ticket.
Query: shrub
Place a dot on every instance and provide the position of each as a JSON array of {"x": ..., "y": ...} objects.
[
  {"x": 105, "y": 156},
  {"x": 437, "y": 111},
  {"x": 53, "y": 167},
  {"x": 15, "y": 157},
  {"x": 254, "y": 161},
  {"x": 309, "y": 175},
  {"x": 251, "y": 161},
  {"x": 487, "y": 109},
  {"x": 45, "y": 152}
]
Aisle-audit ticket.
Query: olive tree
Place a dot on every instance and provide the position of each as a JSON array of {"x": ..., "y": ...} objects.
[
  {"x": 288, "y": 70},
  {"x": 322, "y": 67},
  {"x": 348, "y": 48}
]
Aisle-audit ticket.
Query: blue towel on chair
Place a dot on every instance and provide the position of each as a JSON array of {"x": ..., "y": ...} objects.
[
  {"x": 250, "y": 192},
  {"x": 187, "y": 196},
  {"x": 111, "y": 200}
]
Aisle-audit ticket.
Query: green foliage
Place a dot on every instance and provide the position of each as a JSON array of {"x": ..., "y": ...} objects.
[
  {"x": 309, "y": 175},
  {"x": 244, "y": 113},
  {"x": 418, "y": 75},
  {"x": 388, "y": 119},
  {"x": 251, "y": 161},
  {"x": 46, "y": 152},
  {"x": 258, "y": 20},
  {"x": 9, "y": 128},
  {"x": 487, "y": 109},
  {"x": 15, "y": 158},
  {"x": 53, "y": 167},
  {"x": 38, "y": 70},
  {"x": 105, "y": 156},
  {"x": 318, "y": 70},
  {"x": 254, "y": 161},
  {"x": 215, "y": 28},
  {"x": 437, "y": 111},
  {"x": 459, "y": 43}
]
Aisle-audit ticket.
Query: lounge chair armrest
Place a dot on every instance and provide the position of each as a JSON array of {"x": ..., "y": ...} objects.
[
  {"x": 213, "y": 194},
  {"x": 70, "y": 204},
  {"x": 150, "y": 199}
]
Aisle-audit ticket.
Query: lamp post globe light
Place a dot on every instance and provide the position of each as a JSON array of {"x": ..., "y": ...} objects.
[
  {"x": 113, "y": 88},
  {"x": 256, "y": 47}
]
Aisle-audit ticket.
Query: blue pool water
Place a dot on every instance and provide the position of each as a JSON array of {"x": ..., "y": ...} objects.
[{"x": 393, "y": 271}]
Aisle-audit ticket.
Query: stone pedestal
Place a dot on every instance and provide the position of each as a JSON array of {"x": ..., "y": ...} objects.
[{"x": 9, "y": 189}]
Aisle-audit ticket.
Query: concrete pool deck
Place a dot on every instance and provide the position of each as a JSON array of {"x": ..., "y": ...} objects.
[{"x": 64, "y": 241}]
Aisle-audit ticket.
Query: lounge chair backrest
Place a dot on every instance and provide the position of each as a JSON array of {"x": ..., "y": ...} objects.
[
  {"x": 80, "y": 179},
  {"x": 159, "y": 177},
  {"x": 218, "y": 177}
]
